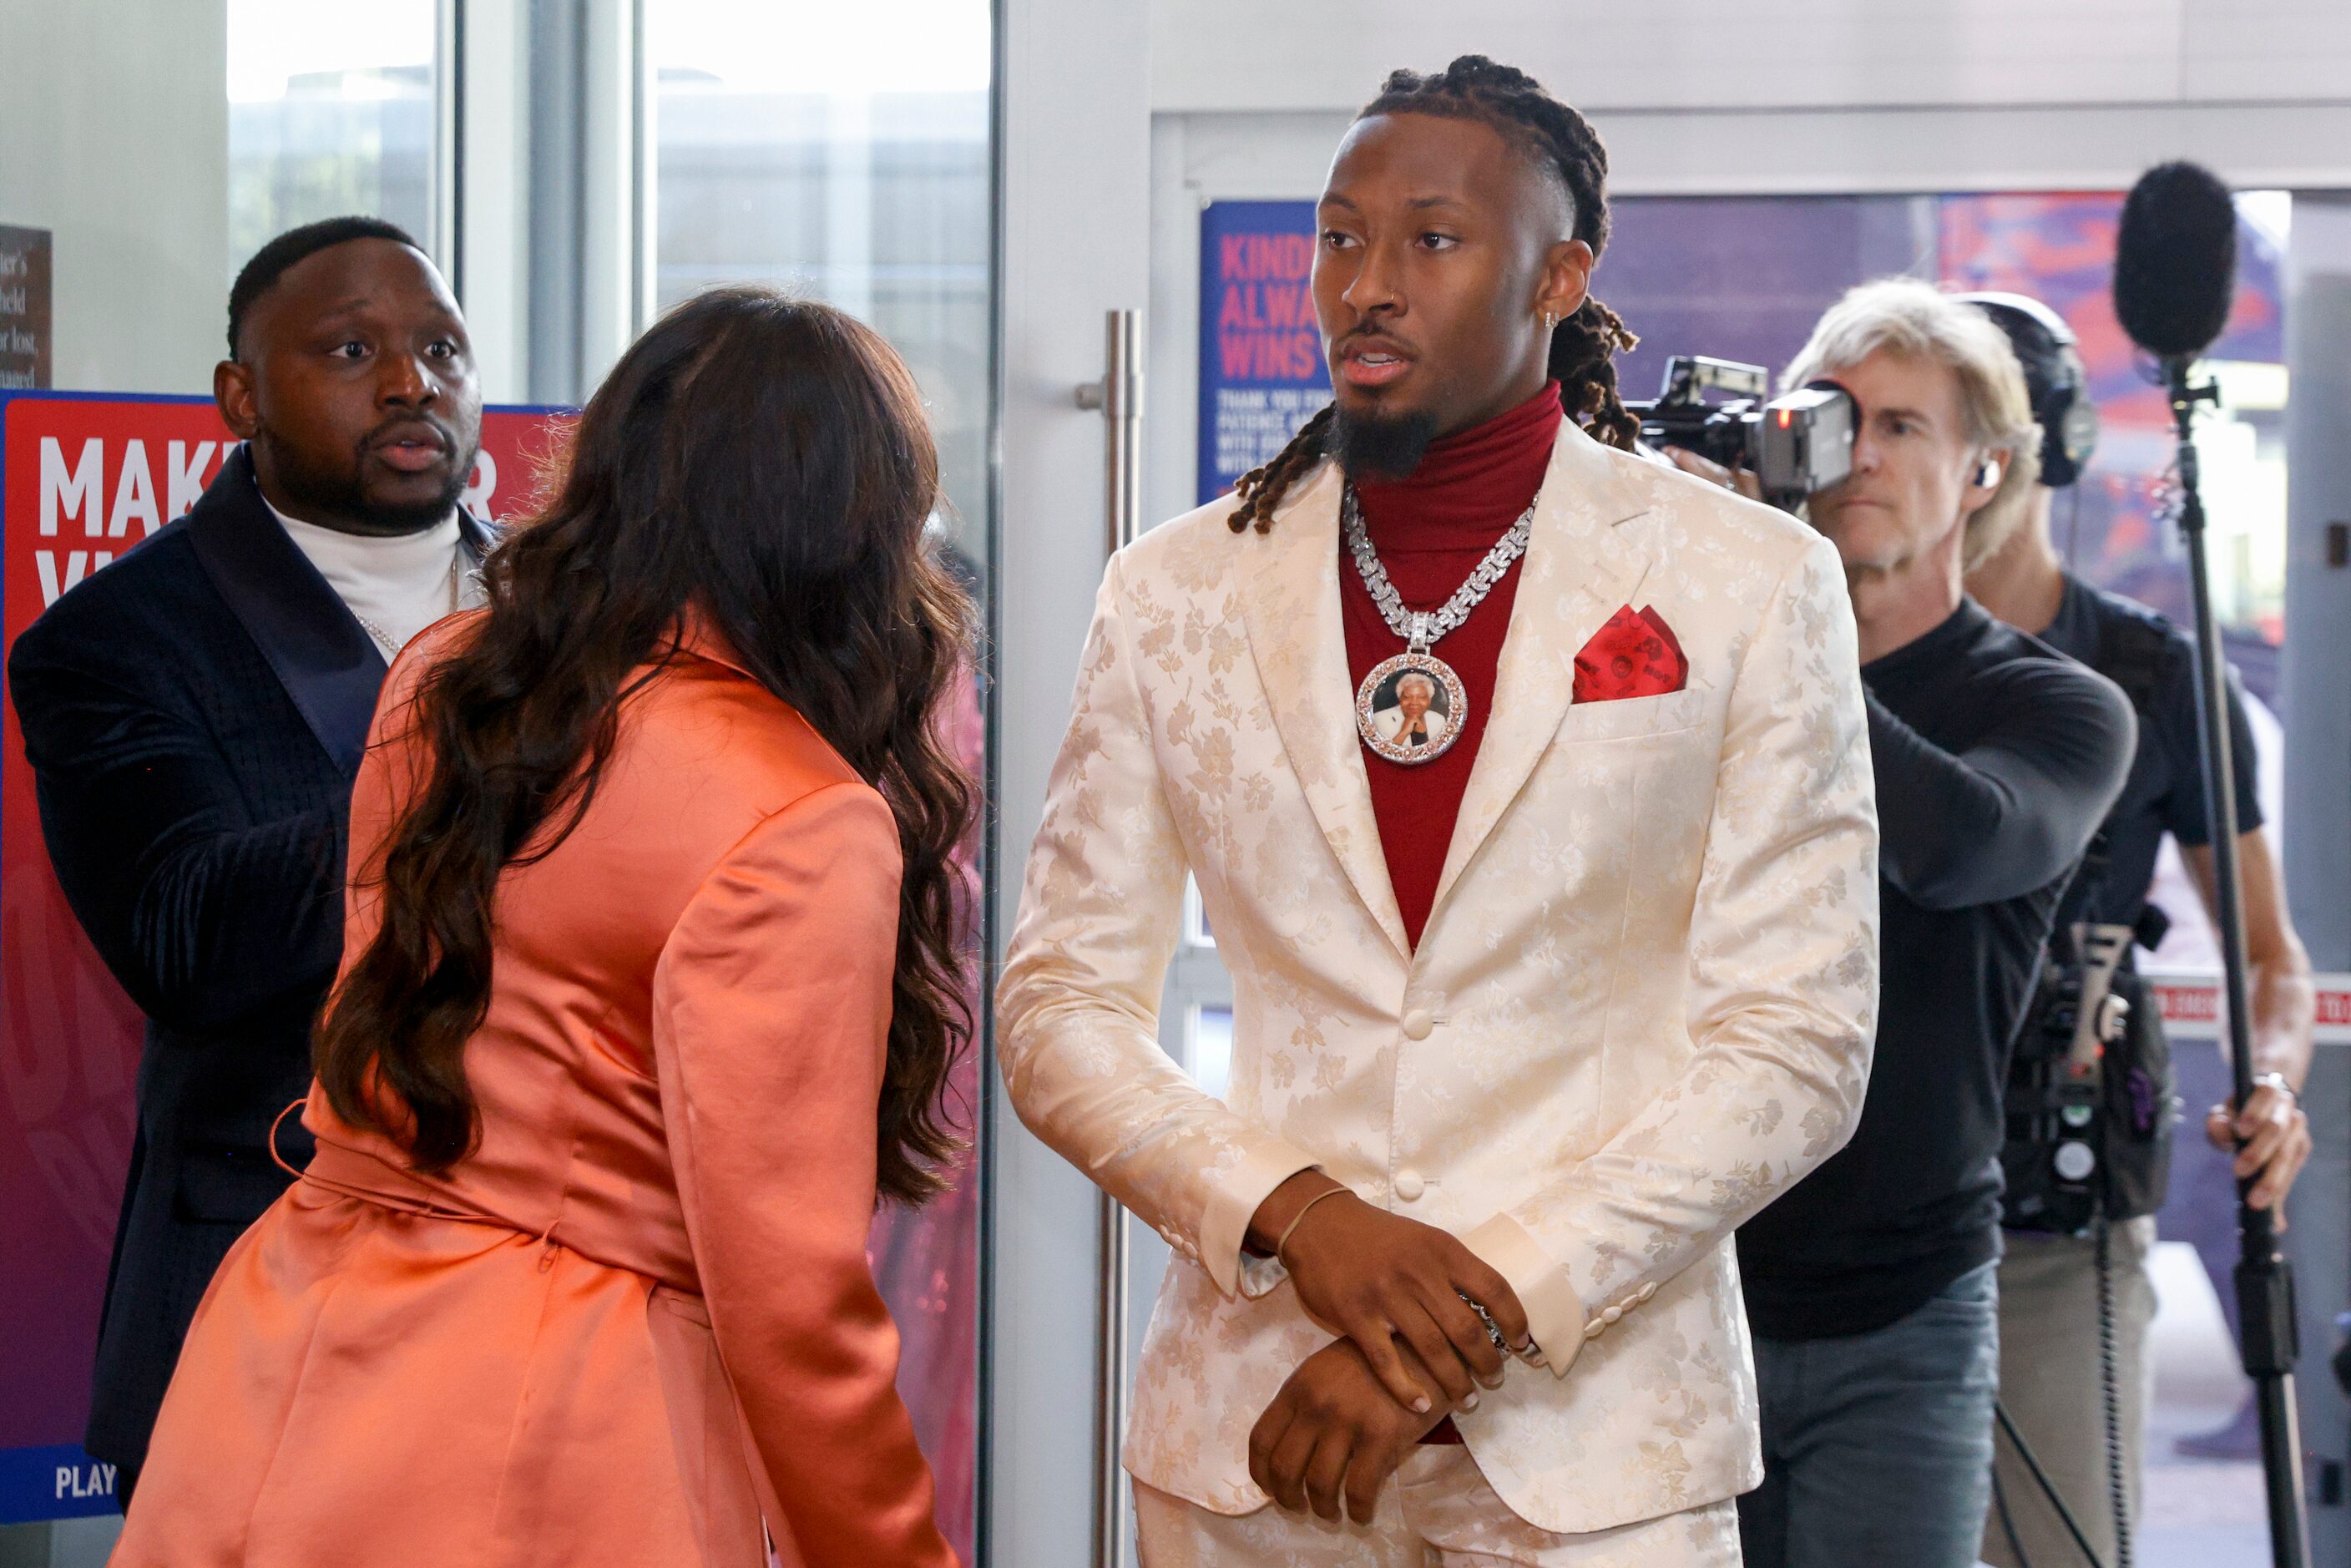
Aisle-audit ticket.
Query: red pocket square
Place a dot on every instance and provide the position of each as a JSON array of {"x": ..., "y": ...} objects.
[{"x": 1634, "y": 655}]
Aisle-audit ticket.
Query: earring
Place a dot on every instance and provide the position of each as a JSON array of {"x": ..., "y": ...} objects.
[{"x": 1551, "y": 321}]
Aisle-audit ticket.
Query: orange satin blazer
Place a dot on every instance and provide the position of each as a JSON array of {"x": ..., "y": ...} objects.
[{"x": 638, "y": 1321}]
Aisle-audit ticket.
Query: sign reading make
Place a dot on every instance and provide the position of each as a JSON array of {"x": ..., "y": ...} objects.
[
  {"x": 1261, "y": 369},
  {"x": 83, "y": 479},
  {"x": 24, "y": 309}
]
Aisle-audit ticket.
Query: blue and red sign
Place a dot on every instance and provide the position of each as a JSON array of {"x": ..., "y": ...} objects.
[
  {"x": 1261, "y": 369},
  {"x": 84, "y": 479}
]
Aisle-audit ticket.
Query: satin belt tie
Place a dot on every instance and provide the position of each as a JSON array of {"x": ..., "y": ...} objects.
[{"x": 354, "y": 1173}]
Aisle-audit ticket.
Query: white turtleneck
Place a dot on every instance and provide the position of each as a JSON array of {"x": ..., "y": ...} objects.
[{"x": 393, "y": 585}]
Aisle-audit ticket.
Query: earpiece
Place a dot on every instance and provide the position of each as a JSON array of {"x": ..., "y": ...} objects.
[{"x": 1989, "y": 474}]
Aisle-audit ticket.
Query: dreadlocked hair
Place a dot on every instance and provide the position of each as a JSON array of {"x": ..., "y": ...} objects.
[{"x": 1584, "y": 346}]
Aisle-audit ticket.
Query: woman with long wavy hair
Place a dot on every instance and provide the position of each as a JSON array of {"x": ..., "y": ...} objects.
[{"x": 649, "y": 986}]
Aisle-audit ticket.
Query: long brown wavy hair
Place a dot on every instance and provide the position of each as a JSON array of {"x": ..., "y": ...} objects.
[{"x": 763, "y": 461}]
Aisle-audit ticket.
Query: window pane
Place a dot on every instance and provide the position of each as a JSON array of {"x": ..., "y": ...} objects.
[
  {"x": 1669, "y": 275},
  {"x": 331, "y": 112},
  {"x": 841, "y": 151},
  {"x": 1209, "y": 1051}
]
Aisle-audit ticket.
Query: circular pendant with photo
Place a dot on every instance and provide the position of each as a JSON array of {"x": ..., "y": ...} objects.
[{"x": 1411, "y": 708}]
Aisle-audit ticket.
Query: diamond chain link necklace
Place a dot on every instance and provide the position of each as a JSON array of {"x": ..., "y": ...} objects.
[
  {"x": 1411, "y": 708},
  {"x": 1417, "y": 628}
]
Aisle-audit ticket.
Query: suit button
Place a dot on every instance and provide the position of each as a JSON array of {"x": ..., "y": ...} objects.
[
  {"x": 1417, "y": 1024},
  {"x": 1409, "y": 1185}
]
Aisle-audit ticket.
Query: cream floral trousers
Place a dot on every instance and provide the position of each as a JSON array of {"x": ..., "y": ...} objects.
[{"x": 1436, "y": 1509}]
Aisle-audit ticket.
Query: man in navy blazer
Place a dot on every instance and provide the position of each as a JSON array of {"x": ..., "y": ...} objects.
[{"x": 194, "y": 715}]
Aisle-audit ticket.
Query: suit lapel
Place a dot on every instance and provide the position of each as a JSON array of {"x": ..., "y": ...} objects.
[
  {"x": 476, "y": 539},
  {"x": 1582, "y": 563},
  {"x": 1291, "y": 598},
  {"x": 328, "y": 664}
]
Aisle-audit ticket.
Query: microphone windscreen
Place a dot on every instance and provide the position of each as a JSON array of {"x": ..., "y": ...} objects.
[{"x": 2175, "y": 260}]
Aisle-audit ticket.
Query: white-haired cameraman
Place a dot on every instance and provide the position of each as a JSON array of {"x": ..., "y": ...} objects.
[{"x": 1871, "y": 1285}]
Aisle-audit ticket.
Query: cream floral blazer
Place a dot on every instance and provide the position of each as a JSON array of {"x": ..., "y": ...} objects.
[{"x": 1642, "y": 1006}]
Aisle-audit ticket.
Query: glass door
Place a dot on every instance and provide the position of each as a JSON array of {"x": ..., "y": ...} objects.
[
  {"x": 331, "y": 112},
  {"x": 1196, "y": 1027},
  {"x": 843, "y": 153}
]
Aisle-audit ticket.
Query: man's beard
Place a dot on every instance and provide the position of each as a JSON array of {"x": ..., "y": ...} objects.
[
  {"x": 317, "y": 493},
  {"x": 1386, "y": 446}
]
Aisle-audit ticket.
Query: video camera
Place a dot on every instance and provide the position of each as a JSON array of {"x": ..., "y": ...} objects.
[{"x": 1796, "y": 444}]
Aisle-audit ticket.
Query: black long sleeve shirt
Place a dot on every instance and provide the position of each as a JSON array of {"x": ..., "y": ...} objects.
[{"x": 1995, "y": 760}]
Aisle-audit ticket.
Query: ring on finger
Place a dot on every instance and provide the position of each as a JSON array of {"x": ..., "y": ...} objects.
[
  {"x": 1533, "y": 1352},
  {"x": 1485, "y": 1320}
]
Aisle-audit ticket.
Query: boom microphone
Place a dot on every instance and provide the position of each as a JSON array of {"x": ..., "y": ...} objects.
[
  {"x": 2175, "y": 268},
  {"x": 2176, "y": 261}
]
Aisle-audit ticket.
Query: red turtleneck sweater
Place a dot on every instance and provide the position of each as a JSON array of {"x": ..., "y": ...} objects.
[{"x": 1431, "y": 529}]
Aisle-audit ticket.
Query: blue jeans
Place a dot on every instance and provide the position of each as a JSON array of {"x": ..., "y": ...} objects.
[{"x": 1878, "y": 1447}]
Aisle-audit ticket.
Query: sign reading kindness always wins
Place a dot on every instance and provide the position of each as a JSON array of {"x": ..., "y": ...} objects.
[{"x": 1261, "y": 369}]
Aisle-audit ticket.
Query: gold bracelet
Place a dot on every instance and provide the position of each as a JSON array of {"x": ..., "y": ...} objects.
[{"x": 1291, "y": 1228}]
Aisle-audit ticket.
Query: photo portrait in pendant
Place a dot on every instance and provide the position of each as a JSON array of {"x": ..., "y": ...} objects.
[{"x": 1411, "y": 708}]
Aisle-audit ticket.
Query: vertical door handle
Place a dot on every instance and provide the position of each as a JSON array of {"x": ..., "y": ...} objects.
[
  {"x": 1110, "y": 1389},
  {"x": 1119, "y": 398}
]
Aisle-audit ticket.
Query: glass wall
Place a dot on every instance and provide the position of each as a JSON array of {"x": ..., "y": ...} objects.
[
  {"x": 1686, "y": 292},
  {"x": 842, "y": 152},
  {"x": 1669, "y": 273},
  {"x": 331, "y": 112}
]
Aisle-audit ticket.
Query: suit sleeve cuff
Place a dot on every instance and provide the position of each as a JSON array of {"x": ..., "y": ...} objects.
[
  {"x": 1555, "y": 1315},
  {"x": 1233, "y": 1203}
]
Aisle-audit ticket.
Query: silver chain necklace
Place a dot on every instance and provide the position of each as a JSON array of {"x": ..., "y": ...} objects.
[
  {"x": 384, "y": 639},
  {"x": 1413, "y": 708},
  {"x": 1419, "y": 629}
]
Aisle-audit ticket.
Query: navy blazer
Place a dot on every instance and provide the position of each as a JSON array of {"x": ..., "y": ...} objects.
[{"x": 194, "y": 715}]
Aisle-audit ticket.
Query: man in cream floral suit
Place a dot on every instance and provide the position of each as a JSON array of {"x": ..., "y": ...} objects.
[{"x": 1520, "y": 1107}]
